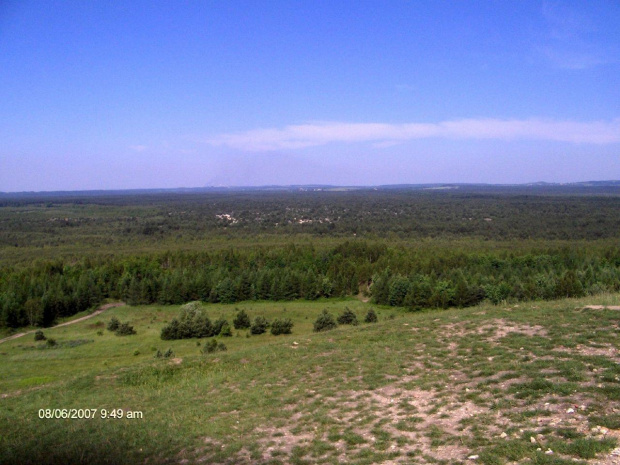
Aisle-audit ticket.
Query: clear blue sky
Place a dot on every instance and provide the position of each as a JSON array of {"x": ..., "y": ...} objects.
[{"x": 142, "y": 94}]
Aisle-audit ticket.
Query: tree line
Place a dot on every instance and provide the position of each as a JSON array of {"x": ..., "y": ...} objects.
[{"x": 397, "y": 275}]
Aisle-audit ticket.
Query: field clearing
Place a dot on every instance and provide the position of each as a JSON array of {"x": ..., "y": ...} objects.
[{"x": 529, "y": 383}]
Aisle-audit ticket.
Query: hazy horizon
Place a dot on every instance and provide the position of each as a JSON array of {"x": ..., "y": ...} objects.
[
  {"x": 156, "y": 95},
  {"x": 232, "y": 188}
]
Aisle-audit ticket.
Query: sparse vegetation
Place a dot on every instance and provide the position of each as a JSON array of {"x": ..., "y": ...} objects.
[
  {"x": 371, "y": 316},
  {"x": 281, "y": 326},
  {"x": 419, "y": 385},
  {"x": 225, "y": 331},
  {"x": 242, "y": 320},
  {"x": 113, "y": 324},
  {"x": 212, "y": 345},
  {"x": 324, "y": 322},
  {"x": 259, "y": 325},
  {"x": 347, "y": 317},
  {"x": 125, "y": 329}
]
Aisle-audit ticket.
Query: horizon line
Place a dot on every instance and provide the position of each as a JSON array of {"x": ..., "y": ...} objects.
[{"x": 611, "y": 182}]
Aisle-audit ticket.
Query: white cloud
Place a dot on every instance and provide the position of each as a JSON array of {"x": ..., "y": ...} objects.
[{"x": 382, "y": 135}]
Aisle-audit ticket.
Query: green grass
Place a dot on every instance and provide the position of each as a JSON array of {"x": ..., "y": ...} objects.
[{"x": 408, "y": 388}]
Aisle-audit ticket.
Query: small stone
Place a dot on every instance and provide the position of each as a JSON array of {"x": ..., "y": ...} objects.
[
  {"x": 503, "y": 435},
  {"x": 548, "y": 452},
  {"x": 532, "y": 439},
  {"x": 295, "y": 343},
  {"x": 570, "y": 410},
  {"x": 466, "y": 389},
  {"x": 473, "y": 457},
  {"x": 490, "y": 359},
  {"x": 582, "y": 407}
]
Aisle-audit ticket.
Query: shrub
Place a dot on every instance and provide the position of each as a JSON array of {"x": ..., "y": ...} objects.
[
  {"x": 158, "y": 354},
  {"x": 210, "y": 346},
  {"x": 191, "y": 322},
  {"x": 226, "y": 331},
  {"x": 213, "y": 346},
  {"x": 218, "y": 325},
  {"x": 125, "y": 329},
  {"x": 347, "y": 318},
  {"x": 51, "y": 342},
  {"x": 324, "y": 322},
  {"x": 283, "y": 326},
  {"x": 371, "y": 317},
  {"x": 169, "y": 353},
  {"x": 39, "y": 336},
  {"x": 242, "y": 320},
  {"x": 260, "y": 325},
  {"x": 113, "y": 324},
  {"x": 170, "y": 331},
  {"x": 193, "y": 306},
  {"x": 136, "y": 352}
]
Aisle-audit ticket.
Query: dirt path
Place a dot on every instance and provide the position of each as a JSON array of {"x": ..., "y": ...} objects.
[{"x": 95, "y": 313}]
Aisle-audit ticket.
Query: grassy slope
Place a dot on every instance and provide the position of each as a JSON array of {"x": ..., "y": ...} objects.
[{"x": 432, "y": 387}]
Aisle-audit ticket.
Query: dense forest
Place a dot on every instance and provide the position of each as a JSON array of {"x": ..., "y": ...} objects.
[{"x": 418, "y": 248}]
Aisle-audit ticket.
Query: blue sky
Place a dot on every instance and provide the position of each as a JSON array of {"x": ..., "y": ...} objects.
[{"x": 144, "y": 94}]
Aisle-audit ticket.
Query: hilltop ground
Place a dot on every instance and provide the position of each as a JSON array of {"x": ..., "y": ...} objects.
[{"x": 532, "y": 383}]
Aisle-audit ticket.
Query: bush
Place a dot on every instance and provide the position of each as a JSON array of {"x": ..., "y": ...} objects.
[
  {"x": 170, "y": 331},
  {"x": 192, "y": 322},
  {"x": 218, "y": 326},
  {"x": 169, "y": 353},
  {"x": 260, "y": 325},
  {"x": 113, "y": 324},
  {"x": 242, "y": 320},
  {"x": 226, "y": 331},
  {"x": 51, "y": 342},
  {"x": 125, "y": 329},
  {"x": 213, "y": 346},
  {"x": 324, "y": 322},
  {"x": 347, "y": 318},
  {"x": 39, "y": 336},
  {"x": 283, "y": 326},
  {"x": 371, "y": 317}
]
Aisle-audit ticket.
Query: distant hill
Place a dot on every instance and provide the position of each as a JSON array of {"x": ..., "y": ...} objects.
[{"x": 536, "y": 187}]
